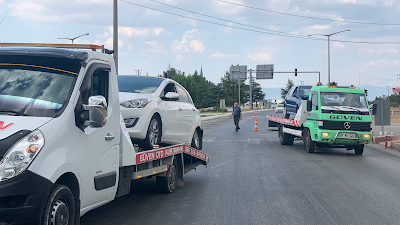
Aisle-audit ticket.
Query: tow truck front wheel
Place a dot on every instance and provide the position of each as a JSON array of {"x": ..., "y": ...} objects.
[
  {"x": 60, "y": 207},
  {"x": 309, "y": 144},
  {"x": 167, "y": 184},
  {"x": 359, "y": 149}
]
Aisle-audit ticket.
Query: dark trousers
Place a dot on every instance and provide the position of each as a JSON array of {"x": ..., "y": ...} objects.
[{"x": 236, "y": 120}]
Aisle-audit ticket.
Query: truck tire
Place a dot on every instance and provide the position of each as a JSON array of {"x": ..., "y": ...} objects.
[
  {"x": 358, "y": 150},
  {"x": 309, "y": 144},
  {"x": 153, "y": 136},
  {"x": 197, "y": 140},
  {"x": 285, "y": 139},
  {"x": 168, "y": 184},
  {"x": 60, "y": 207}
]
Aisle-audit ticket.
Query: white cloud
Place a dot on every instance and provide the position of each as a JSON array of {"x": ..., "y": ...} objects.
[
  {"x": 138, "y": 31},
  {"x": 104, "y": 35},
  {"x": 217, "y": 55},
  {"x": 191, "y": 43},
  {"x": 387, "y": 3},
  {"x": 192, "y": 22},
  {"x": 156, "y": 47},
  {"x": 227, "y": 30},
  {"x": 362, "y": 2},
  {"x": 280, "y": 5},
  {"x": 226, "y": 8},
  {"x": 338, "y": 45},
  {"x": 109, "y": 43},
  {"x": 368, "y": 51},
  {"x": 130, "y": 47},
  {"x": 259, "y": 56},
  {"x": 384, "y": 63}
]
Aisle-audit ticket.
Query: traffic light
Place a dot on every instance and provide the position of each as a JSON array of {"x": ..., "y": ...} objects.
[{"x": 295, "y": 72}]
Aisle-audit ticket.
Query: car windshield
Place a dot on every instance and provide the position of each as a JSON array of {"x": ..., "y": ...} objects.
[
  {"x": 304, "y": 91},
  {"x": 32, "y": 89},
  {"x": 138, "y": 84},
  {"x": 347, "y": 100}
]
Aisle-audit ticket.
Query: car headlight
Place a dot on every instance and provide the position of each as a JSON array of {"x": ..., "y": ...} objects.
[
  {"x": 20, "y": 155},
  {"x": 135, "y": 103}
]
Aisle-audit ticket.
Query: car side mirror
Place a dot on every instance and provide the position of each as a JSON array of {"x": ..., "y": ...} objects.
[
  {"x": 309, "y": 105},
  {"x": 374, "y": 109},
  {"x": 97, "y": 108},
  {"x": 172, "y": 95}
]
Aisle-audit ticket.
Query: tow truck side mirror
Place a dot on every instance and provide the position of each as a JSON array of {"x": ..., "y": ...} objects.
[
  {"x": 309, "y": 105},
  {"x": 97, "y": 108},
  {"x": 374, "y": 108}
]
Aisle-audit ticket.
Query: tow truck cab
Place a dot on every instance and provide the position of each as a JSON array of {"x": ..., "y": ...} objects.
[{"x": 338, "y": 117}]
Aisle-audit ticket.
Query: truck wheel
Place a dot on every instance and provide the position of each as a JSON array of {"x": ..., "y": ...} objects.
[
  {"x": 197, "y": 141},
  {"x": 60, "y": 207},
  {"x": 168, "y": 184},
  {"x": 285, "y": 139},
  {"x": 153, "y": 136},
  {"x": 309, "y": 144},
  {"x": 359, "y": 149}
]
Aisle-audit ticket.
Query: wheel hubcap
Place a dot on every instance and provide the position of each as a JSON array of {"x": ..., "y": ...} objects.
[
  {"x": 153, "y": 132},
  {"x": 59, "y": 213},
  {"x": 196, "y": 140}
]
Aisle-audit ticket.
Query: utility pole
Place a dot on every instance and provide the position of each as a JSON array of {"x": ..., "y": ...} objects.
[
  {"x": 388, "y": 91},
  {"x": 251, "y": 90},
  {"x": 239, "y": 89},
  {"x": 115, "y": 34}
]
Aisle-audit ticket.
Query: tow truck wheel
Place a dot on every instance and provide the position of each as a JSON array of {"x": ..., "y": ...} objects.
[
  {"x": 153, "y": 136},
  {"x": 168, "y": 184},
  {"x": 60, "y": 207},
  {"x": 285, "y": 139},
  {"x": 309, "y": 144},
  {"x": 359, "y": 149}
]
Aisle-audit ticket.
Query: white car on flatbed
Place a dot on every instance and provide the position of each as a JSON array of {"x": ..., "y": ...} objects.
[{"x": 157, "y": 110}]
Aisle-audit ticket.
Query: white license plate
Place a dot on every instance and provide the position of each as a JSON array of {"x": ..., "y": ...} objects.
[{"x": 344, "y": 135}]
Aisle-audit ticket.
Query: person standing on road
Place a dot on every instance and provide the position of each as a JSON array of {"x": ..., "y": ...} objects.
[{"x": 237, "y": 115}]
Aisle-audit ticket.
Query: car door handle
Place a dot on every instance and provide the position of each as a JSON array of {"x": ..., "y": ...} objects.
[
  {"x": 180, "y": 109},
  {"x": 109, "y": 137}
]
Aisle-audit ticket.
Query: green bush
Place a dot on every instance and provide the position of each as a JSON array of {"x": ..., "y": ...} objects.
[{"x": 394, "y": 104}]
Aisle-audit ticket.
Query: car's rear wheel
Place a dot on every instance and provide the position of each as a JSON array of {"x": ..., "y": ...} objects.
[
  {"x": 197, "y": 141},
  {"x": 153, "y": 136}
]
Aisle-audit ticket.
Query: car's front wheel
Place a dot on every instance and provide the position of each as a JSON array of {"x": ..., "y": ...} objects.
[
  {"x": 197, "y": 141},
  {"x": 153, "y": 136}
]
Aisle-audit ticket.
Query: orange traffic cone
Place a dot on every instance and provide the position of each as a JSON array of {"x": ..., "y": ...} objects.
[
  {"x": 256, "y": 126},
  {"x": 254, "y": 116},
  {"x": 257, "y": 112}
]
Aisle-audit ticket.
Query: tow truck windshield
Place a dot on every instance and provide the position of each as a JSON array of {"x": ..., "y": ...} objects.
[
  {"x": 343, "y": 102},
  {"x": 34, "y": 90}
]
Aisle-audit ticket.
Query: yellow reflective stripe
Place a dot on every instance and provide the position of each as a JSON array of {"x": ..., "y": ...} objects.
[{"x": 43, "y": 67}]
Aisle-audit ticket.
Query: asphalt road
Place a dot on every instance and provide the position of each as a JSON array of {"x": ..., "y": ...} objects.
[{"x": 252, "y": 179}]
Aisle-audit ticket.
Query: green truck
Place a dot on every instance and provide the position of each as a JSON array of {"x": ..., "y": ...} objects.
[{"x": 333, "y": 117}]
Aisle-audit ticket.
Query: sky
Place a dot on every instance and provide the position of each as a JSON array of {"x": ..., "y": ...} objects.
[{"x": 150, "y": 40}]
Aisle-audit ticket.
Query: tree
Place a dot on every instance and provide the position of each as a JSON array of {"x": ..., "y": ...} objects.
[
  {"x": 284, "y": 91},
  {"x": 257, "y": 93}
]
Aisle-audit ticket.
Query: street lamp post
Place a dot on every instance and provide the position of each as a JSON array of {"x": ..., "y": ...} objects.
[
  {"x": 329, "y": 60},
  {"x": 72, "y": 39}
]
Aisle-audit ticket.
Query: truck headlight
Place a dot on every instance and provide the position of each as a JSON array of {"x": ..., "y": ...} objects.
[
  {"x": 20, "y": 155},
  {"x": 366, "y": 136},
  {"x": 135, "y": 103}
]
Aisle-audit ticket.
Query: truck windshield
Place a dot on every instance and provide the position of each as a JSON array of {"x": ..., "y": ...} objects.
[
  {"x": 34, "y": 89},
  {"x": 344, "y": 100},
  {"x": 138, "y": 84}
]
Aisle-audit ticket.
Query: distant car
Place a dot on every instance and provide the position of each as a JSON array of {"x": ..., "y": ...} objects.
[
  {"x": 293, "y": 99},
  {"x": 279, "y": 108},
  {"x": 158, "y": 111}
]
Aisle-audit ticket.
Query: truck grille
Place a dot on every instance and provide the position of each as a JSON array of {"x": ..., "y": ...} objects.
[{"x": 346, "y": 125}]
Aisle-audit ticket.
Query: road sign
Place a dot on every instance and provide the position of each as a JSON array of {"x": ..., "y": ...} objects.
[
  {"x": 265, "y": 71},
  {"x": 382, "y": 117},
  {"x": 238, "y": 72}
]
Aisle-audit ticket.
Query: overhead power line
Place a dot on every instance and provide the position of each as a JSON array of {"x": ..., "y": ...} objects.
[
  {"x": 258, "y": 31},
  {"x": 3, "y": 19},
  {"x": 310, "y": 17}
]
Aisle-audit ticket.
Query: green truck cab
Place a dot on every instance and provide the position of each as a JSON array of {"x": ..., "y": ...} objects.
[{"x": 337, "y": 117}]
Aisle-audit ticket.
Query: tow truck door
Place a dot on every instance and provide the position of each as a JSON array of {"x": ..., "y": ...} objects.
[{"x": 97, "y": 148}]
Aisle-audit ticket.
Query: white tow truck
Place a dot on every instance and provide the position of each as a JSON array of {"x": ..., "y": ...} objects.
[{"x": 64, "y": 148}]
